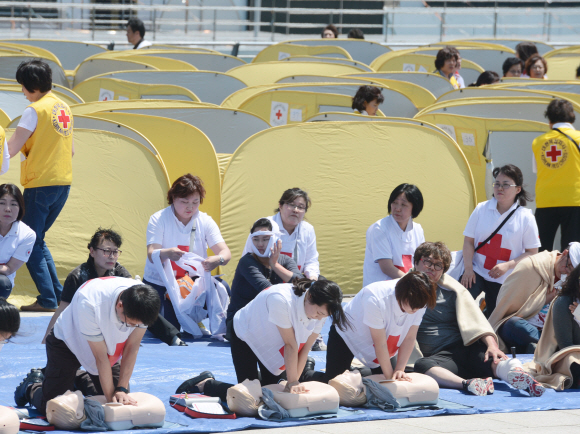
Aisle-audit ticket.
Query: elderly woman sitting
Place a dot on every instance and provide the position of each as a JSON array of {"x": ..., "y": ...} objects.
[{"x": 446, "y": 64}]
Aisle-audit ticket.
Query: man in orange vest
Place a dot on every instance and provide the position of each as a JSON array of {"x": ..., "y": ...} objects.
[{"x": 44, "y": 136}]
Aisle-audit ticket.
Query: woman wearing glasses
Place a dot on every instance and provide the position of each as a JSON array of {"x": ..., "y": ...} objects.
[
  {"x": 487, "y": 268},
  {"x": 16, "y": 238},
  {"x": 536, "y": 68}
]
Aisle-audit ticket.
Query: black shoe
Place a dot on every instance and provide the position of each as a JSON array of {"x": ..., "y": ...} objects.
[
  {"x": 190, "y": 386},
  {"x": 310, "y": 363},
  {"x": 21, "y": 396}
]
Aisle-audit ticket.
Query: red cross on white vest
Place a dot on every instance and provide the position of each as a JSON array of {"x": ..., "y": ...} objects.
[
  {"x": 554, "y": 153},
  {"x": 493, "y": 252},
  {"x": 392, "y": 346},
  {"x": 407, "y": 263},
  {"x": 64, "y": 119}
]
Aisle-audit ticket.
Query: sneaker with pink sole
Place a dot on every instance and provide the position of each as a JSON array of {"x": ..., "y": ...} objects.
[
  {"x": 489, "y": 385},
  {"x": 520, "y": 379},
  {"x": 475, "y": 386}
]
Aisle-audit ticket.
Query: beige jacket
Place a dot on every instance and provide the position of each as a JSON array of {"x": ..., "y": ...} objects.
[{"x": 523, "y": 294}]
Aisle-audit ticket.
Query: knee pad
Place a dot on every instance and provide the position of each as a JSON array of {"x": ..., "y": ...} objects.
[
  {"x": 66, "y": 412},
  {"x": 350, "y": 388},
  {"x": 9, "y": 422},
  {"x": 423, "y": 390},
  {"x": 149, "y": 412},
  {"x": 320, "y": 399},
  {"x": 245, "y": 398}
]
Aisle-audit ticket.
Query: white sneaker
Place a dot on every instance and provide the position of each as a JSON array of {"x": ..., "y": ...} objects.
[
  {"x": 520, "y": 379},
  {"x": 204, "y": 331}
]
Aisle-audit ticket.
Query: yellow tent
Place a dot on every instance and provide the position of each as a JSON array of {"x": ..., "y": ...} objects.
[
  {"x": 361, "y": 66},
  {"x": 470, "y": 43},
  {"x": 181, "y": 48},
  {"x": 574, "y": 49},
  {"x": 29, "y": 49},
  {"x": 284, "y": 50},
  {"x": 4, "y": 119},
  {"x": 9, "y": 64},
  {"x": 118, "y": 195},
  {"x": 563, "y": 66},
  {"x": 101, "y": 106},
  {"x": 349, "y": 170},
  {"x": 542, "y": 47},
  {"x": 106, "y": 89},
  {"x": 492, "y": 92},
  {"x": 359, "y": 49},
  {"x": 255, "y": 74}
]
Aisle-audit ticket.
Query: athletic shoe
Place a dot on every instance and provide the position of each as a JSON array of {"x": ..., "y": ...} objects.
[
  {"x": 190, "y": 386},
  {"x": 204, "y": 331},
  {"x": 21, "y": 395},
  {"x": 310, "y": 364},
  {"x": 520, "y": 379},
  {"x": 475, "y": 386},
  {"x": 176, "y": 342},
  {"x": 35, "y": 307},
  {"x": 319, "y": 344},
  {"x": 489, "y": 385}
]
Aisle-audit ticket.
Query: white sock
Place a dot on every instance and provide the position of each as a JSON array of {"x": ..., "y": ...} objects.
[{"x": 505, "y": 366}]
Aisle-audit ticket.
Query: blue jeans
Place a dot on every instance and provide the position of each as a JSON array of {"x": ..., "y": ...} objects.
[
  {"x": 42, "y": 207},
  {"x": 517, "y": 332}
]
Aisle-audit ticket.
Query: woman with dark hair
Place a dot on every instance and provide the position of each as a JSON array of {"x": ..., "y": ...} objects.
[
  {"x": 391, "y": 241},
  {"x": 9, "y": 321},
  {"x": 385, "y": 317},
  {"x": 488, "y": 267},
  {"x": 485, "y": 78},
  {"x": 180, "y": 228},
  {"x": 330, "y": 32},
  {"x": 16, "y": 238},
  {"x": 512, "y": 67},
  {"x": 526, "y": 49},
  {"x": 261, "y": 267},
  {"x": 367, "y": 100},
  {"x": 446, "y": 64},
  {"x": 536, "y": 68},
  {"x": 275, "y": 332}
]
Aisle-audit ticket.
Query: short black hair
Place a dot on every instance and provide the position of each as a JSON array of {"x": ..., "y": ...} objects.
[
  {"x": 560, "y": 110},
  {"x": 260, "y": 223},
  {"x": 487, "y": 77},
  {"x": 141, "y": 302},
  {"x": 509, "y": 62},
  {"x": 413, "y": 195},
  {"x": 105, "y": 234},
  {"x": 34, "y": 75},
  {"x": 137, "y": 26},
  {"x": 15, "y": 192},
  {"x": 366, "y": 94},
  {"x": 291, "y": 195},
  {"x": 444, "y": 54},
  {"x": 578, "y": 72},
  {"x": 356, "y": 34},
  {"x": 9, "y": 317}
]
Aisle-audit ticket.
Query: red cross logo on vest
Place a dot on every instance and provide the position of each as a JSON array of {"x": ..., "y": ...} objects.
[
  {"x": 392, "y": 346},
  {"x": 493, "y": 252},
  {"x": 407, "y": 263},
  {"x": 177, "y": 270},
  {"x": 283, "y": 367},
  {"x": 114, "y": 358},
  {"x": 554, "y": 153},
  {"x": 64, "y": 119}
]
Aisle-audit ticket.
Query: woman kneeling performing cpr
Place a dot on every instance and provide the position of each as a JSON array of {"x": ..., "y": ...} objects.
[{"x": 275, "y": 331}]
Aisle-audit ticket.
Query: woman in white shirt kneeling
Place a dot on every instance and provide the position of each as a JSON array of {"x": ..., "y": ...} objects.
[{"x": 275, "y": 332}]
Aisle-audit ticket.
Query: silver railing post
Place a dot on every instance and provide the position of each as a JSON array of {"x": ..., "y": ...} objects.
[
  {"x": 495, "y": 21},
  {"x": 385, "y": 24},
  {"x": 257, "y": 17},
  {"x": 93, "y": 22},
  {"x": 214, "y": 24},
  {"x": 29, "y": 21},
  {"x": 549, "y": 27},
  {"x": 154, "y": 24},
  {"x": 288, "y": 17}
]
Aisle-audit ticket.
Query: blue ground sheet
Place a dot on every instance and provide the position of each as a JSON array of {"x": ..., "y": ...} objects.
[{"x": 160, "y": 369}]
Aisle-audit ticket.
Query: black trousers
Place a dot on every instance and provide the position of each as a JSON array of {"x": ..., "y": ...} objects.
[
  {"x": 61, "y": 375},
  {"x": 338, "y": 359},
  {"x": 548, "y": 220}
]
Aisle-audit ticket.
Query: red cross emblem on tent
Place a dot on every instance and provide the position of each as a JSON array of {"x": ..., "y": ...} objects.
[
  {"x": 392, "y": 346},
  {"x": 407, "y": 264},
  {"x": 64, "y": 119},
  {"x": 279, "y": 114},
  {"x": 493, "y": 252},
  {"x": 554, "y": 154}
]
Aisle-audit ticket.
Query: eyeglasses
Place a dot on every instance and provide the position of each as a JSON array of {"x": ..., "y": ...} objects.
[
  {"x": 126, "y": 324},
  {"x": 538, "y": 67},
  {"x": 504, "y": 186},
  {"x": 300, "y": 208},
  {"x": 436, "y": 266},
  {"x": 110, "y": 253}
]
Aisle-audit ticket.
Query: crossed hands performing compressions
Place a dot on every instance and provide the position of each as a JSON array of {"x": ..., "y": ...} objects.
[
  {"x": 401, "y": 375},
  {"x": 295, "y": 387},
  {"x": 123, "y": 398},
  {"x": 174, "y": 254}
]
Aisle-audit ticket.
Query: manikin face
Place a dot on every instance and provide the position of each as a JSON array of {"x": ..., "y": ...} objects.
[
  {"x": 429, "y": 265},
  {"x": 105, "y": 256},
  {"x": 402, "y": 210},
  {"x": 9, "y": 209},
  {"x": 505, "y": 195},
  {"x": 313, "y": 311},
  {"x": 261, "y": 241},
  {"x": 293, "y": 213},
  {"x": 371, "y": 107},
  {"x": 186, "y": 207}
]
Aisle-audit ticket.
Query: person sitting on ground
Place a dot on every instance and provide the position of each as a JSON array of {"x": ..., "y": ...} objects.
[
  {"x": 556, "y": 357},
  {"x": 459, "y": 347},
  {"x": 16, "y": 238},
  {"x": 458, "y": 77},
  {"x": 525, "y": 297},
  {"x": 525, "y": 50},
  {"x": 485, "y": 78},
  {"x": 105, "y": 321},
  {"x": 391, "y": 241},
  {"x": 488, "y": 267},
  {"x": 367, "y": 100},
  {"x": 446, "y": 64},
  {"x": 512, "y": 67},
  {"x": 9, "y": 321},
  {"x": 275, "y": 331},
  {"x": 260, "y": 268},
  {"x": 536, "y": 68},
  {"x": 356, "y": 34},
  {"x": 136, "y": 34},
  {"x": 330, "y": 32}
]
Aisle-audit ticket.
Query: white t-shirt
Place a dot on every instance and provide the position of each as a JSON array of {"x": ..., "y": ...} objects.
[
  {"x": 386, "y": 240},
  {"x": 17, "y": 243},
  {"x": 375, "y": 306},
  {"x": 29, "y": 119},
  {"x": 518, "y": 234},
  {"x": 257, "y": 324},
  {"x": 5, "y": 159},
  {"x": 142, "y": 44},
  {"x": 164, "y": 228},
  {"x": 91, "y": 316}
]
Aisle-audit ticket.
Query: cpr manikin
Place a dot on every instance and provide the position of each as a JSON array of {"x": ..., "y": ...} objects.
[
  {"x": 9, "y": 422},
  {"x": 245, "y": 399},
  {"x": 422, "y": 390},
  {"x": 67, "y": 411}
]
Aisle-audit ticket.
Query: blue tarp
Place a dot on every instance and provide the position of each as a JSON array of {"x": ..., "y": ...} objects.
[{"x": 160, "y": 369}]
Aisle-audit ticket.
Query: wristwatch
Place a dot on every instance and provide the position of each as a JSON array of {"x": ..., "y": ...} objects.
[
  {"x": 222, "y": 260},
  {"x": 121, "y": 389}
]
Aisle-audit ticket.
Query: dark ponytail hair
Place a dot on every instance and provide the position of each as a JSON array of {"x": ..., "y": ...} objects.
[
  {"x": 261, "y": 223},
  {"x": 571, "y": 287},
  {"x": 514, "y": 172},
  {"x": 324, "y": 293},
  {"x": 417, "y": 290},
  {"x": 9, "y": 317}
]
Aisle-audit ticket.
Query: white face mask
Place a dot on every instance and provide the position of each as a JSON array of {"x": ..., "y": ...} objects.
[{"x": 268, "y": 252}]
